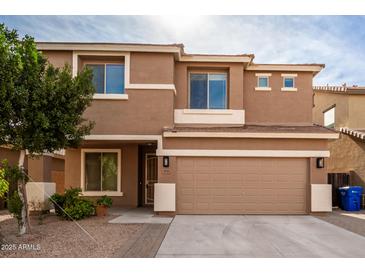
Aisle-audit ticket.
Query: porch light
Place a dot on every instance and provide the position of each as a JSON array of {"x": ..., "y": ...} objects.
[
  {"x": 320, "y": 162},
  {"x": 166, "y": 161}
]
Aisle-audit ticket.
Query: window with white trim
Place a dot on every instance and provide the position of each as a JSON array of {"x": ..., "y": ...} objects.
[
  {"x": 329, "y": 117},
  {"x": 101, "y": 171},
  {"x": 288, "y": 82},
  {"x": 208, "y": 91},
  {"x": 108, "y": 78},
  {"x": 263, "y": 81}
]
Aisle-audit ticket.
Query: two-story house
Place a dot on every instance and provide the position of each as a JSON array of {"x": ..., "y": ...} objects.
[
  {"x": 342, "y": 108},
  {"x": 212, "y": 134}
]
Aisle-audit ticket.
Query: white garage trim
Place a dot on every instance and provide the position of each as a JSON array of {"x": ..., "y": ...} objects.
[{"x": 242, "y": 153}]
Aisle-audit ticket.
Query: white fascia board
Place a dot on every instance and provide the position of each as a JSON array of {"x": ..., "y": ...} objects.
[
  {"x": 267, "y": 67},
  {"x": 104, "y": 96},
  {"x": 243, "y": 153},
  {"x": 219, "y": 59},
  {"x": 117, "y": 137},
  {"x": 107, "y": 47}
]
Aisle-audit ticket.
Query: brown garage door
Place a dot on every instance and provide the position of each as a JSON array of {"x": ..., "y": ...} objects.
[{"x": 241, "y": 185}]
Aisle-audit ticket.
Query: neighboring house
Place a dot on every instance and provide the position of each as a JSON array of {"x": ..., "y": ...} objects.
[
  {"x": 45, "y": 168},
  {"x": 231, "y": 136},
  {"x": 343, "y": 108}
]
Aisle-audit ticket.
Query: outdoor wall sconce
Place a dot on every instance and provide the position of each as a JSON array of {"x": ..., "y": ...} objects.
[
  {"x": 320, "y": 162},
  {"x": 166, "y": 161}
]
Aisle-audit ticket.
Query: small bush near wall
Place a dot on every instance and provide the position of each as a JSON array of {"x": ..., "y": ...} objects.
[
  {"x": 71, "y": 205},
  {"x": 15, "y": 206}
]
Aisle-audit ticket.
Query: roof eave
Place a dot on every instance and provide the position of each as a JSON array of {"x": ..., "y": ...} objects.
[
  {"x": 176, "y": 49},
  {"x": 314, "y": 68}
]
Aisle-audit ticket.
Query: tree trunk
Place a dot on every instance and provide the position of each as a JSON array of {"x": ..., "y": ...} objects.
[{"x": 24, "y": 222}]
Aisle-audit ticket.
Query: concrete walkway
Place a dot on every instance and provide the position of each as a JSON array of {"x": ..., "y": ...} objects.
[
  {"x": 258, "y": 236},
  {"x": 145, "y": 243},
  {"x": 139, "y": 215}
]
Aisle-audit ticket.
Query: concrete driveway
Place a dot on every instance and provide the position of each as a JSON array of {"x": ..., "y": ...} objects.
[{"x": 258, "y": 236}]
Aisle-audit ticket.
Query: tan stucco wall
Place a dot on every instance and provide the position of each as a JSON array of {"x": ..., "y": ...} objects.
[
  {"x": 167, "y": 174},
  {"x": 151, "y": 68},
  {"x": 317, "y": 175},
  {"x": 276, "y": 106},
  {"x": 145, "y": 112},
  {"x": 356, "y": 111},
  {"x": 160, "y": 68},
  {"x": 73, "y": 168},
  {"x": 40, "y": 168},
  {"x": 348, "y": 155},
  {"x": 240, "y": 143},
  {"x": 58, "y": 164},
  {"x": 59, "y": 58},
  {"x": 235, "y": 82},
  {"x": 11, "y": 156},
  {"x": 129, "y": 173},
  {"x": 323, "y": 101}
]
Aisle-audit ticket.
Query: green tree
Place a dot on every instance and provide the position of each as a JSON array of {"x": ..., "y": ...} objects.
[{"x": 41, "y": 106}]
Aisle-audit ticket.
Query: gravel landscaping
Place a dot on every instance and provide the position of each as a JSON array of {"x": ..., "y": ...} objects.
[
  {"x": 54, "y": 237},
  {"x": 351, "y": 221}
]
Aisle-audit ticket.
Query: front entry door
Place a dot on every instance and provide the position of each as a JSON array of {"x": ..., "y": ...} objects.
[{"x": 150, "y": 177}]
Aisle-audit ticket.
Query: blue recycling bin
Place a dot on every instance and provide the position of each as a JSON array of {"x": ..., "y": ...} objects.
[{"x": 350, "y": 198}]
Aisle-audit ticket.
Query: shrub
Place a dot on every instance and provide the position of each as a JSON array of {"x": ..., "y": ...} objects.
[
  {"x": 80, "y": 209},
  {"x": 105, "y": 201},
  {"x": 15, "y": 205},
  {"x": 71, "y": 205},
  {"x": 58, "y": 201},
  {"x": 9, "y": 177},
  {"x": 4, "y": 185}
]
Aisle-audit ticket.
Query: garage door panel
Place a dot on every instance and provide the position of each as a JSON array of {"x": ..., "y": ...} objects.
[
  {"x": 250, "y": 180},
  {"x": 186, "y": 192},
  {"x": 207, "y": 185},
  {"x": 229, "y": 193},
  {"x": 186, "y": 178},
  {"x": 203, "y": 191},
  {"x": 186, "y": 164},
  {"x": 290, "y": 185},
  {"x": 268, "y": 178},
  {"x": 219, "y": 178},
  {"x": 235, "y": 177},
  {"x": 202, "y": 165},
  {"x": 237, "y": 199}
]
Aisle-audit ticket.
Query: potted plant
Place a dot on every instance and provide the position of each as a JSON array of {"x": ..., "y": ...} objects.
[{"x": 103, "y": 203}]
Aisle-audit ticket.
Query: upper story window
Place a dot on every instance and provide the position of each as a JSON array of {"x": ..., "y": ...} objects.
[
  {"x": 263, "y": 82},
  {"x": 289, "y": 82},
  {"x": 329, "y": 117},
  {"x": 208, "y": 90},
  {"x": 108, "y": 78}
]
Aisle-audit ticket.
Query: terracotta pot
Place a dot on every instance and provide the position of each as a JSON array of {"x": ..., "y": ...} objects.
[{"x": 101, "y": 210}]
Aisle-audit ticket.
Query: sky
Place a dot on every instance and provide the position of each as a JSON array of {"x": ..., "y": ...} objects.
[{"x": 336, "y": 41}]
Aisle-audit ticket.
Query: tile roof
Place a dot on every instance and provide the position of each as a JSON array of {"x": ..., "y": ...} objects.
[
  {"x": 254, "y": 129},
  {"x": 340, "y": 89},
  {"x": 358, "y": 133}
]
